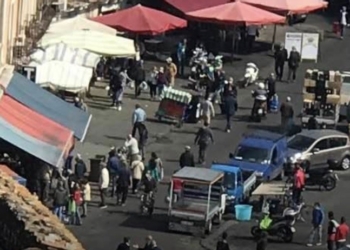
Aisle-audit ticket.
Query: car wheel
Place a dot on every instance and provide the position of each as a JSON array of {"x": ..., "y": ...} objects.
[{"x": 345, "y": 163}]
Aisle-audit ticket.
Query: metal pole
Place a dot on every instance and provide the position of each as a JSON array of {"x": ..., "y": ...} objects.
[
  {"x": 171, "y": 196},
  {"x": 209, "y": 195},
  {"x": 274, "y": 37}
]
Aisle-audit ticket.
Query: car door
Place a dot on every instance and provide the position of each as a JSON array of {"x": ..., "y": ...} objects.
[
  {"x": 319, "y": 152},
  {"x": 337, "y": 146}
]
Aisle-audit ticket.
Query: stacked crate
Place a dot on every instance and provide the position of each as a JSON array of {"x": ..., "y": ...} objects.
[{"x": 321, "y": 93}]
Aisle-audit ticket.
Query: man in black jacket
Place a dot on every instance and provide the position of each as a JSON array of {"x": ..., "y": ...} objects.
[
  {"x": 293, "y": 63},
  {"x": 125, "y": 245},
  {"x": 187, "y": 158},
  {"x": 222, "y": 243},
  {"x": 203, "y": 137},
  {"x": 230, "y": 106},
  {"x": 281, "y": 56},
  {"x": 123, "y": 183},
  {"x": 140, "y": 76}
]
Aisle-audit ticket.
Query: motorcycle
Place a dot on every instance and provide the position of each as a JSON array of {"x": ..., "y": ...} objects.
[
  {"x": 294, "y": 212},
  {"x": 281, "y": 228},
  {"x": 326, "y": 179},
  {"x": 251, "y": 75},
  {"x": 259, "y": 108},
  {"x": 147, "y": 204}
]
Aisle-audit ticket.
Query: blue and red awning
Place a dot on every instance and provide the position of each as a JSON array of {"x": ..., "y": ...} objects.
[{"x": 34, "y": 133}]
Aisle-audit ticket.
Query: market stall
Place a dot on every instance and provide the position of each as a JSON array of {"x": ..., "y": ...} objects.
[{"x": 6, "y": 170}]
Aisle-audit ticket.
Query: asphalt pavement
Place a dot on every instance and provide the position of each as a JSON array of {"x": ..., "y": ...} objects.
[{"x": 104, "y": 229}]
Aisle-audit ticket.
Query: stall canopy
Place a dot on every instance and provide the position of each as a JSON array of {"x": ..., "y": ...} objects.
[
  {"x": 96, "y": 42},
  {"x": 63, "y": 53},
  {"x": 48, "y": 105},
  {"x": 187, "y": 6},
  {"x": 289, "y": 6},
  {"x": 63, "y": 76},
  {"x": 34, "y": 133},
  {"x": 142, "y": 20},
  {"x": 236, "y": 13}
]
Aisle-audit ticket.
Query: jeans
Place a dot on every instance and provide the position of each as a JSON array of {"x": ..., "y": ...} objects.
[
  {"x": 279, "y": 68},
  {"x": 160, "y": 89},
  {"x": 287, "y": 124},
  {"x": 58, "y": 211},
  {"x": 103, "y": 192},
  {"x": 181, "y": 65},
  {"x": 75, "y": 218},
  {"x": 122, "y": 194},
  {"x": 135, "y": 185},
  {"x": 85, "y": 208},
  {"x": 342, "y": 30},
  {"x": 114, "y": 98},
  {"x": 297, "y": 195},
  {"x": 202, "y": 152},
  {"x": 292, "y": 73},
  {"x": 228, "y": 121},
  {"x": 152, "y": 90},
  {"x": 316, "y": 234}
]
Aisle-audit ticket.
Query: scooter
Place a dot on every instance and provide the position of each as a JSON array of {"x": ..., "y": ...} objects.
[
  {"x": 326, "y": 179},
  {"x": 147, "y": 204},
  {"x": 294, "y": 213},
  {"x": 251, "y": 75},
  {"x": 281, "y": 228},
  {"x": 259, "y": 109}
]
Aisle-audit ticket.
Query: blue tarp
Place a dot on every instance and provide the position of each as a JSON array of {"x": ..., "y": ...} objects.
[{"x": 49, "y": 105}]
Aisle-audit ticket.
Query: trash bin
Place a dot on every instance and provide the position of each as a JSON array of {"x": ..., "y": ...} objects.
[
  {"x": 94, "y": 175},
  {"x": 243, "y": 212},
  {"x": 336, "y": 28}
]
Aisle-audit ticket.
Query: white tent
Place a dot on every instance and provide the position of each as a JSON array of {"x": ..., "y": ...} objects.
[
  {"x": 96, "y": 42},
  {"x": 62, "y": 52},
  {"x": 63, "y": 76},
  {"x": 77, "y": 23}
]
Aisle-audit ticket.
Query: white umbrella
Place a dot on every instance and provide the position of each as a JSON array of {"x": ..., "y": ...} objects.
[
  {"x": 94, "y": 41},
  {"x": 79, "y": 23}
]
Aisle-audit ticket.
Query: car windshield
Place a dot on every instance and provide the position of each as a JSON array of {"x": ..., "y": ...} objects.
[
  {"x": 252, "y": 154},
  {"x": 300, "y": 142}
]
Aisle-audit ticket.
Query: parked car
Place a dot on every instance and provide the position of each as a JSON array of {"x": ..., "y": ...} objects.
[{"x": 315, "y": 147}]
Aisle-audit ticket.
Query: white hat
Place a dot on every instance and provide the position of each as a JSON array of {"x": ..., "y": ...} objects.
[
  {"x": 169, "y": 59},
  {"x": 261, "y": 85},
  {"x": 288, "y": 99}
]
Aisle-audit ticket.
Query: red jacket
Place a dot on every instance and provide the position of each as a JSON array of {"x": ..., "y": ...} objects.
[
  {"x": 299, "y": 179},
  {"x": 342, "y": 232}
]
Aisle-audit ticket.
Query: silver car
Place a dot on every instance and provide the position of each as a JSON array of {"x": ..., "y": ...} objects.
[{"x": 316, "y": 147}]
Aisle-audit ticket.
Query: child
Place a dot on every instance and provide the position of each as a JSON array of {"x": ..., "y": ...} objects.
[
  {"x": 86, "y": 196},
  {"x": 75, "y": 201}
]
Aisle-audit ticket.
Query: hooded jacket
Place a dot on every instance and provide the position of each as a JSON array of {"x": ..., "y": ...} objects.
[{"x": 317, "y": 217}]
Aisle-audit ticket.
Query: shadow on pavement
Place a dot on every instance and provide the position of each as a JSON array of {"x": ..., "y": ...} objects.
[
  {"x": 163, "y": 121},
  {"x": 97, "y": 106},
  {"x": 271, "y": 128},
  {"x": 156, "y": 223},
  {"x": 118, "y": 138}
]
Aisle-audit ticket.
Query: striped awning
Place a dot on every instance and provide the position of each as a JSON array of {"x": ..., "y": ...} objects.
[{"x": 63, "y": 53}]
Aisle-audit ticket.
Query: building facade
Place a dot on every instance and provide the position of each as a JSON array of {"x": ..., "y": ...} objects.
[{"x": 17, "y": 19}]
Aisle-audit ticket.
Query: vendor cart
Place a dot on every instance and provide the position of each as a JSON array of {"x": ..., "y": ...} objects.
[{"x": 174, "y": 105}]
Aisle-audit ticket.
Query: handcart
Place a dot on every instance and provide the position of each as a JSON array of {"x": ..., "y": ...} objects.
[{"x": 173, "y": 106}]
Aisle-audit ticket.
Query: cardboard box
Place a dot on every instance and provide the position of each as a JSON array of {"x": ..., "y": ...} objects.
[
  {"x": 309, "y": 83},
  {"x": 308, "y": 97},
  {"x": 333, "y": 99},
  {"x": 335, "y": 85}
]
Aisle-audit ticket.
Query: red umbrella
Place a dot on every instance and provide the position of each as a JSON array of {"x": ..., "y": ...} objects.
[
  {"x": 142, "y": 20},
  {"x": 236, "y": 12},
  {"x": 193, "y": 5},
  {"x": 291, "y": 6}
]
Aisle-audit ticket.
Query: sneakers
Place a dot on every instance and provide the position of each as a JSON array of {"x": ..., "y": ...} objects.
[
  {"x": 103, "y": 207},
  {"x": 228, "y": 131},
  {"x": 309, "y": 245},
  {"x": 113, "y": 107},
  {"x": 119, "y": 108},
  {"x": 319, "y": 244}
]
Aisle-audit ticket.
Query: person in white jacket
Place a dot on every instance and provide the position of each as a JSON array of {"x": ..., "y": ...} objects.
[
  {"x": 137, "y": 168},
  {"x": 207, "y": 110},
  {"x": 103, "y": 184}
]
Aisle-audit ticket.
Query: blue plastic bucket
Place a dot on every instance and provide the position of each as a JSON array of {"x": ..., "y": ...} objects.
[{"x": 243, "y": 212}]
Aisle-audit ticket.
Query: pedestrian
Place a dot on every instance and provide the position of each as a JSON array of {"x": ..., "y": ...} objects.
[
  {"x": 317, "y": 222},
  {"x": 230, "y": 106},
  {"x": 207, "y": 110},
  {"x": 171, "y": 71},
  {"x": 341, "y": 234},
  {"x": 132, "y": 148},
  {"x": 270, "y": 83},
  {"x": 125, "y": 245},
  {"x": 252, "y": 33},
  {"x": 187, "y": 158},
  {"x": 114, "y": 87},
  {"x": 138, "y": 118},
  {"x": 152, "y": 82},
  {"x": 137, "y": 168},
  {"x": 113, "y": 165},
  {"x": 140, "y": 76},
  {"x": 80, "y": 167},
  {"x": 312, "y": 123},
  {"x": 123, "y": 184},
  {"x": 162, "y": 81},
  {"x": 143, "y": 131},
  {"x": 331, "y": 231},
  {"x": 222, "y": 244},
  {"x": 293, "y": 64},
  {"x": 103, "y": 184},
  {"x": 80, "y": 104},
  {"x": 155, "y": 166},
  {"x": 203, "y": 138},
  {"x": 281, "y": 56},
  {"x": 343, "y": 21},
  {"x": 299, "y": 183},
  {"x": 181, "y": 56},
  {"x": 86, "y": 196},
  {"x": 123, "y": 81},
  {"x": 262, "y": 241},
  {"x": 77, "y": 201},
  {"x": 60, "y": 199},
  {"x": 148, "y": 244},
  {"x": 287, "y": 114}
]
